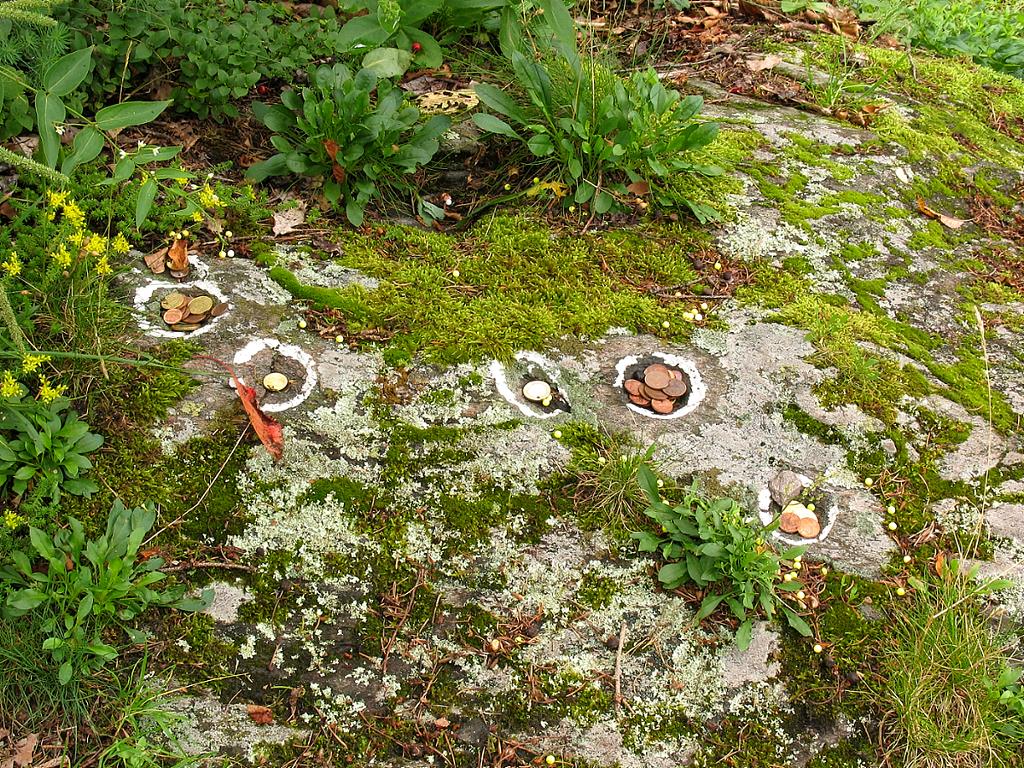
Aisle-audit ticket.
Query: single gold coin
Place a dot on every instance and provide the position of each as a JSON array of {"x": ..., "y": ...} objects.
[
  {"x": 172, "y": 316},
  {"x": 185, "y": 327},
  {"x": 537, "y": 391},
  {"x": 200, "y": 305},
  {"x": 275, "y": 382},
  {"x": 173, "y": 300}
]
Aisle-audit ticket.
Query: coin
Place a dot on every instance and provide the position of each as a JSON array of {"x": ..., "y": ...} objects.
[
  {"x": 189, "y": 317},
  {"x": 639, "y": 400},
  {"x": 651, "y": 393},
  {"x": 675, "y": 374},
  {"x": 172, "y": 316},
  {"x": 219, "y": 309},
  {"x": 200, "y": 305},
  {"x": 179, "y": 273},
  {"x": 656, "y": 376},
  {"x": 275, "y": 382},
  {"x": 173, "y": 300},
  {"x": 186, "y": 327},
  {"x": 662, "y": 406},
  {"x": 632, "y": 386},
  {"x": 537, "y": 390},
  {"x": 676, "y": 388}
]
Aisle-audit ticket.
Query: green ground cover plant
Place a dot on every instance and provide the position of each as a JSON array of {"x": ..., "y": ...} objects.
[{"x": 708, "y": 543}]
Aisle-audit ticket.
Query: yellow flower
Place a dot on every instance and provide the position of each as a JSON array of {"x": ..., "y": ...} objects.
[
  {"x": 9, "y": 386},
  {"x": 13, "y": 520},
  {"x": 74, "y": 214},
  {"x": 76, "y": 238},
  {"x": 96, "y": 245},
  {"x": 47, "y": 392},
  {"x": 197, "y": 217},
  {"x": 55, "y": 199},
  {"x": 12, "y": 266},
  {"x": 62, "y": 257},
  {"x": 121, "y": 244},
  {"x": 30, "y": 363},
  {"x": 208, "y": 198},
  {"x": 103, "y": 267}
]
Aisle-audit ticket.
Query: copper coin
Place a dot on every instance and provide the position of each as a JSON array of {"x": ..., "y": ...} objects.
[
  {"x": 172, "y": 316},
  {"x": 675, "y": 374},
  {"x": 656, "y": 377},
  {"x": 219, "y": 310},
  {"x": 632, "y": 386},
  {"x": 192, "y": 318},
  {"x": 662, "y": 406},
  {"x": 651, "y": 393},
  {"x": 186, "y": 327},
  {"x": 639, "y": 400},
  {"x": 676, "y": 388},
  {"x": 179, "y": 273}
]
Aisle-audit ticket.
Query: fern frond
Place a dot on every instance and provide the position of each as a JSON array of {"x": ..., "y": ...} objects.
[{"x": 29, "y": 165}]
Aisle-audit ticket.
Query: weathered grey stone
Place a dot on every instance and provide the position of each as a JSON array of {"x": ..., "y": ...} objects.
[
  {"x": 227, "y": 599},
  {"x": 857, "y": 543},
  {"x": 1007, "y": 521},
  {"x": 785, "y": 487}
]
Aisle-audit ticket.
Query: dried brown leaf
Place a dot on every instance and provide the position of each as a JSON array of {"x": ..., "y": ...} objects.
[
  {"x": 177, "y": 256},
  {"x": 287, "y": 221},
  {"x": 259, "y": 714},
  {"x": 157, "y": 261},
  {"x": 24, "y": 750}
]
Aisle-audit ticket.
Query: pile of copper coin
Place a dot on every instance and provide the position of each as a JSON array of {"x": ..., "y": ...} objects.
[
  {"x": 182, "y": 312},
  {"x": 658, "y": 387}
]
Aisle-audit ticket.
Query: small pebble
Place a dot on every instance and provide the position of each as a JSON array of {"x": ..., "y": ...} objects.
[
  {"x": 231, "y": 253},
  {"x": 698, "y": 317}
]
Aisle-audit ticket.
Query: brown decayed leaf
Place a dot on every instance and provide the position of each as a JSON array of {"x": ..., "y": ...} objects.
[
  {"x": 947, "y": 221},
  {"x": 761, "y": 63},
  {"x": 177, "y": 256},
  {"x": 639, "y": 188},
  {"x": 287, "y": 221},
  {"x": 157, "y": 261},
  {"x": 24, "y": 750},
  {"x": 259, "y": 714}
]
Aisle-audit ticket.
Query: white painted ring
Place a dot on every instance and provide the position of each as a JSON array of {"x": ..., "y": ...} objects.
[
  {"x": 254, "y": 347},
  {"x": 764, "y": 504},
  {"x": 697, "y": 387},
  {"x": 501, "y": 383},
  {"x": 144, "y": 294}
]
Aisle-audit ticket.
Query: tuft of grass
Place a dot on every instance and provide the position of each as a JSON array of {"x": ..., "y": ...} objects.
[{"x": 938, "y": 664}]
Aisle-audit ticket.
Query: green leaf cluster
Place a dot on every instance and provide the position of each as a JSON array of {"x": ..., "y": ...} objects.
[
  {"x": 88, "y": 587},
  {"x": 708, "y": 543},
  {"x": 357, "y": 141},
  {"x": 600, "y": 132},
  {"x": 41, "y": 445}
]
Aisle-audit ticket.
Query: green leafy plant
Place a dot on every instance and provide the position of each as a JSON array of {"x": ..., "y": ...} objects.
[
  {"x": 609, "y": 139},
  {"x": 43, "y": 449},
  {"x": 709, "y": 544},
  {"x": 338, "y": 130},
  {"x": 89, "y": 587},
  {"x": 397, "y": 23}
]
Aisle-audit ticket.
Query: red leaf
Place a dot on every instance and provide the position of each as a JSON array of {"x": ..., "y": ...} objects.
[
  {"x": 259, "y": 714},
  {"x": 267, "y": 429}
]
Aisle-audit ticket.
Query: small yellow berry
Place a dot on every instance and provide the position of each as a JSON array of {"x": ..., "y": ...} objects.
[
  {"x": 704, "y": 306},
  {"x": 550, "y": 759},
  {"x": 229, "y": 234},
  {"x": 172, "y": 234},
  {"x": 907, "y": 559},
  {"x": 302, "y": 323},
  {"x": 810, "y": 507},
  {"x": 801, "y": 595},
  {"x": 602, "y": 460},
  {"x": 557, "y": 434},
  {"x": 666, "y": 324},
  {"x": 789, "y": 577},
  {"x": 508, "y": 187},
  {"x": 797, "y": 565},
  {"x": 184, "y": 233},
  {"x": 688, "y": 315},
  {"x": 223, "y": 254},
  {"x": 891, "y": 509},
  {"x": 572, "y": 209},
  {"x": 661, "y": 483},
  {"x": 698, "y": 316},
  {"x": 455, "y": 273},
  {"x": 824, "y": 570},
  {"x": 339, "y": 338},
  {"x": 901, "y": 591},
  {"x": 546, "y": 402},
  {"x": 868, "y": 482},
  {"x": 892, "y": 525},
  {"x": 718, "y": 265},
  {"x": 798, "y": 558},
  {"x": 818, "y": 648}
]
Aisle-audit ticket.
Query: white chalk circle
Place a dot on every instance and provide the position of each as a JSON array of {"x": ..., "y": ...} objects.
[
  {"x": 827, "y": 517},
  {"x": 144, "y": 295},
  {"x": 515, "y": 396},
  {"x": 697, "y": 387},
  {"x": 254, "y": 347}
]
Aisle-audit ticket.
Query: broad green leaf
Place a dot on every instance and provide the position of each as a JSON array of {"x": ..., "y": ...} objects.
[
  {"x": 494, "y": 124},
  {"x": 387, "y": 62},
  {"x": 50, "y": 112},
  {"x": 67, "y": 72},
  {"x": 672, "y": 575},
  {"x": 797, "y": 622},
  {"x": 744, "y": 635},
  {"x": 129, "y": 113},
  {"x": 65, "y": 672},
  {"x": 145, "y": 200},
  {"x": 86, "y": 147}
]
